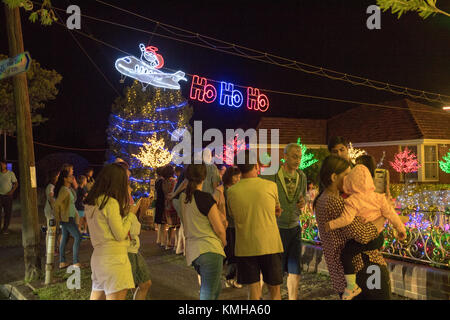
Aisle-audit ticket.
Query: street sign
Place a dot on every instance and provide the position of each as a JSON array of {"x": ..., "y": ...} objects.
[{"x": 12, "y": 66}]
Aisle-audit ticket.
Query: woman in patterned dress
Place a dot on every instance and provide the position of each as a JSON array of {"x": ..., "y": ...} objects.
[{"x": 329, "y": 205}]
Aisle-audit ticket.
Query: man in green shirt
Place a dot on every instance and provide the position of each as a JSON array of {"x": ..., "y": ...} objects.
[{"x": 291, "y": 184}]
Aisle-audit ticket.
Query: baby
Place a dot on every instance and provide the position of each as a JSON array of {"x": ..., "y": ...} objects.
[{"x": 366, "y": 203}]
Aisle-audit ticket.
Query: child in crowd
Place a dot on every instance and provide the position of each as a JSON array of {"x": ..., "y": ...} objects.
[
  {"x": 363, "y": 201},
  {"x": 141, "y": 273},
  {"x": 81, "y": 195},
  {"x": 311, "y": 194}
]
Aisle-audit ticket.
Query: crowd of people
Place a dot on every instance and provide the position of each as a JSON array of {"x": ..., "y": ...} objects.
[{"x": 234, "y": 226}]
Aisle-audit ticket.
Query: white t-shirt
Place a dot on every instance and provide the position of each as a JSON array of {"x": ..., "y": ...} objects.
[{"x": 6, "y": 182}]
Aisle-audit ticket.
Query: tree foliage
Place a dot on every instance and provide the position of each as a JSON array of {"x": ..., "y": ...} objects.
[
  {"x": 45, "y": 12},
  {"x": 41, "y": 88},
  {"x": 425, "y": 8}
]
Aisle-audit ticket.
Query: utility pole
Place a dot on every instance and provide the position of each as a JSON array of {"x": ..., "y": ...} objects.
[{"x": 27, "y": 169}]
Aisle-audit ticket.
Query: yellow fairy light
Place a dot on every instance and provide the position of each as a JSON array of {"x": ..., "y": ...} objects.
[
  {"x": 153, "y": 154},
  {"x": 354, "y": 153}
]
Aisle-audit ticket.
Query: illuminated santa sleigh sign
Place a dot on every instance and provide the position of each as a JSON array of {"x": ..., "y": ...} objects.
[
  {"x": 145, "y": 69},
  {"x": 203, "y": 91}
]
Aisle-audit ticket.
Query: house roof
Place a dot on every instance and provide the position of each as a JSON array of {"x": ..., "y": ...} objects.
[
  {"x": 407, "y": 121},
  {"x": 311, "y": 131}
]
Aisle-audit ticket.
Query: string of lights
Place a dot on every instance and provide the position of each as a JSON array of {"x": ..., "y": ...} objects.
[
  {"x": 267, "y": 90},
  {"x": 289, "y": 63}
]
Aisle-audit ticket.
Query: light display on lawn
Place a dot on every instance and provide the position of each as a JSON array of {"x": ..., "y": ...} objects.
[
  {"x": 354, "y": 153},
  {"x": 445, "y": 164},
  {"x": 153, "y": 154},
  {"x": 405, "y": 162},
  {"x": 231, "y": 149},
  {"x": 146, "y": 69},
  {"x": 307, "y": 158},
  {"x": 141, "y": 117},
  {"x": 428, "y": 228}
]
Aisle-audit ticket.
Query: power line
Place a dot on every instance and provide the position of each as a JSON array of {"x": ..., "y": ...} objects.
[
  {"x": 90, "y": 59},
  {"x": 268, "y": 90},
  {"x": 289, "y": 63},
  {"x": 63, "y": 148}
]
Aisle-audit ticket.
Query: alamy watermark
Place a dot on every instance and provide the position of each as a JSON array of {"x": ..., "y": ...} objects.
[
  {"x": 74, "y": 20},
  {"x": 374, "y": 20},
  {"x": 257, "y": 146},
  {"x": 374, "y": 281},
  {"x": 74, "y": 281}
]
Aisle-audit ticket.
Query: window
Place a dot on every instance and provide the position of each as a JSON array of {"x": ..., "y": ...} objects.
[
  {"x": 411, "y": 176},
  {"x": 430, "y": 162}
]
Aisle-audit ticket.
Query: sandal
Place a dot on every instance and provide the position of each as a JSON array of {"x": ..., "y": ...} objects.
[
  {"x": 63, "y": 265},
  {"x": 350, "y": 294}
]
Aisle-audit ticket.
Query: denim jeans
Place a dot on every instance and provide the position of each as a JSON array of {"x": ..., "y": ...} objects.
[
  {"x": 209, "y": 267},
  {"x": 6, "y": 204},
  {"x": 72, "y": 228}
]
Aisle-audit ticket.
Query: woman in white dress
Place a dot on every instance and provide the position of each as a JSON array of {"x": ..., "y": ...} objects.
[{"x": 106, "y": 211}]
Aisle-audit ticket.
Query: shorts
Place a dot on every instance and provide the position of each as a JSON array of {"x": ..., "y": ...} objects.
[
  {"x": 292, "y": 246},
  {"x": 139, "y": 268},
  {"x": 250, "y": 268},
  {"x": 81, "y": 213},
  {"x": 111, "y": 273}
]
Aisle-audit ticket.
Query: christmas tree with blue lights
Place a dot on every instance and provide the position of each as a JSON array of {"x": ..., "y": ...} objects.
[{"x": 140, "y": 118}]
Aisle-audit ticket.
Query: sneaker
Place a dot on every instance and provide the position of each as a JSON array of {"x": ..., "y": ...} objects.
[{"x": 350, "y": 294}]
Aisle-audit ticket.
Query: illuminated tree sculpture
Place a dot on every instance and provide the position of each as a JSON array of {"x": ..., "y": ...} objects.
[
  {"x": 307, "y": 158},
  {"x": 445, "y": 164},
  {"x": 153, "y": 154},
  {"x": 354, "y": 153},
  {"x": 230, "y": 152},
  {"x": 139, "y": 121},
  {"x": 405, "y": 162}
]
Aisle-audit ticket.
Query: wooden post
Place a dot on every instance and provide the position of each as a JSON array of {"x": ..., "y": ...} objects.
[{"x": 28, "y": 194}]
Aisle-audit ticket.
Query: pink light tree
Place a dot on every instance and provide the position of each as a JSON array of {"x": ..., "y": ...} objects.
[
  {"x": 405, "y": 162},
  {"x": 230, "y": 152}
]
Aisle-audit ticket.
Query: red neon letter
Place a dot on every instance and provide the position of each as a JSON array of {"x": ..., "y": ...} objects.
[
  {"x": 257, "y": 101},
  {"x": 202, "y": 91}
]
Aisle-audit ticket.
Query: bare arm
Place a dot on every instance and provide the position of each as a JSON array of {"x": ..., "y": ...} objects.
[
  {"x": 215, "y": 219},
  {"x": 180, "y": 188},
  {"x": 14, "y": 187}
]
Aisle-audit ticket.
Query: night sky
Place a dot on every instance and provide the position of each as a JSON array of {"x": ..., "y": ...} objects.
[{"x": 332, "y": 34}]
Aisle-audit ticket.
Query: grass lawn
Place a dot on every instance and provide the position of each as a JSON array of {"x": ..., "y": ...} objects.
[{"x": 59, "y": 291}]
